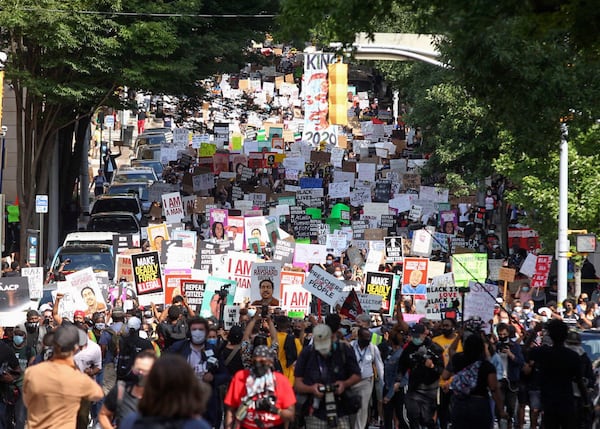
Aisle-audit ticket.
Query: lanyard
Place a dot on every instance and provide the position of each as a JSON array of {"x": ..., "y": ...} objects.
[{"x": 361, "y": 356}]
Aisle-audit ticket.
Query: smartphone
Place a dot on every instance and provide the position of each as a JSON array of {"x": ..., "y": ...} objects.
[{"x": 264, "y": 311}]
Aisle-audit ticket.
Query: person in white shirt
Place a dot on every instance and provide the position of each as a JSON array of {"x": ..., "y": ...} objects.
[{"x": 371, "y": 367}]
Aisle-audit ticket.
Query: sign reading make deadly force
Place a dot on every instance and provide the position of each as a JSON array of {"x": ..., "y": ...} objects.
[{"x": 146, "y": 272}]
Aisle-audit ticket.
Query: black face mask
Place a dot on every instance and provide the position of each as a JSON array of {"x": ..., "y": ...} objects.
[
  {"x": 447, "y": 331},
  {"x": 260, "y": 369},
  {"x": 503, "y": 340},
  {"x": 140, "y": 379},
  {"x": 31, "y": 326},
  {"x": 362, "y": 343}
]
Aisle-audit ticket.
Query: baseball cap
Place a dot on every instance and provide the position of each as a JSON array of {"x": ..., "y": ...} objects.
[
  {"x": 79, "y": 313},
  {"x": 322, "y": 338},
  {"x": 134, "y": 323},
  {"x": 45, "y": 307},
  {"x": 417, "y": 329},
  {"x": 66, "y": 337}
]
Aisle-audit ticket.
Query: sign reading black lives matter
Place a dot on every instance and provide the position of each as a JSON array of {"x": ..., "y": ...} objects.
[
  {"x": 146, "y": 272},
  {"x": 393, "y": 249}
]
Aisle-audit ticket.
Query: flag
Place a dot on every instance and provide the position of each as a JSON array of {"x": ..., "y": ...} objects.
[{"x": 351, "y": 306}]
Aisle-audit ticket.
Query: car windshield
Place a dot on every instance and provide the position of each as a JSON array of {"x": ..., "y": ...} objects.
[
  {"x": 155, "y": 165},
  {"x": 151, "y": 139},
  {"x": 140, "y": 191},
  {"x": 591, "y": 344},
  {"x": 149, "y": 153},
  {"x": 98, "y": 260},
  {"x": 116, "y": 205},
  {"x": 122, "y": 224},
  {"x": 135, "y": 177}
]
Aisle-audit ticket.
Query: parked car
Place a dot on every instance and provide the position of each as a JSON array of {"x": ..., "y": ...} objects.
[
  {"x": 121, "y": 222},
  {"x": 87, "y": 237},
  {"x": 590, "y": 341},
  {"x": 119, "y": 203},
  {"x": 79, "y": 257},
  {"x": 148, "y": 152},
  {"x": 160, "y": 136},
  {"x": 127, "y": 174},
  {"x": 155, "y": 165},
  {"x": 136, "y": 188}
]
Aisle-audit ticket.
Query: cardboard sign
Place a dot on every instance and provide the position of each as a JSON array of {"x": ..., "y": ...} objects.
[
  {"x": 193, "y": 290},
  {"x": 35, "y": 276},
  {"x": 324, "y": 286},
  {"x": 480, "y": 301},
  {"x": 441, "y": 295},
  {"x": 469, "y": 267},
  {"x": 507, "y": 275}
]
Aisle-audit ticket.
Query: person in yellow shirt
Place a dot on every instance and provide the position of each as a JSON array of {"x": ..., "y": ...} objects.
[
  {"x": 289, "y": 347},
  {"x": 450, "y": 342}
]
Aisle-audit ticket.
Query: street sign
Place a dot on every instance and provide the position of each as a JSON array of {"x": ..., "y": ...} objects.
[
  {"x": 41, "y": 203},
  {"x": 109, "y": 121}
]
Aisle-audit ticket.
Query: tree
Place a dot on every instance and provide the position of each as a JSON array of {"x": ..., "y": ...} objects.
[
  {"x": 68, "y": 58},
  {"x": 516, "y": 69}
]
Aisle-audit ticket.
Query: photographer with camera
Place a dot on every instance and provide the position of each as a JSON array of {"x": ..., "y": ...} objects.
[
  {"x": 422, "y": 359},
  {"x": 324, "y": 373},
  {"x": 512, "y": 359},
  {"x": 203, "y": 359},
  {"x": 259, "y": 397}
]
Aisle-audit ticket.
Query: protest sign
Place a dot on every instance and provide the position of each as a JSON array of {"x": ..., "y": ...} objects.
[
  {"x": 193, "y": 290},
  {"x": 14, "y": 300},
  {"x": 480, "y": 301},
  {"x": 324, "y": 286},
  {"x": 351, "y": 307},
  {"x": 172, "y": 207},
  {"x": 370, "y": 302},
  {"x": 414, "y": 276},
  {"x": 214, "y": 287},
  {"x": 542, "y": 270},
  {"x": 378, "y": 283},
  {"x": 156, "y": 234},
  {"x": 393, "y": 249},
  {"x": 89, "y": 298},
  {"x": 294, "y": 298},
  {"x": 422, "y": 243},
  {"x": 231, "y": 316},
  {"x": 173, "y": 277},
  {"x": 529, "y": 265},
  {"x": 310, "y": 253},
  {"x": 261, "y": 271},
  {"x": 469, "y": 267},
  {"x": 35, "y": 276},
  {"x": 441, "y": 295},
  {"x": 284, "y": 252},
  {"x": 146, "y": 273},
  {"x": 240, "y": 269}
]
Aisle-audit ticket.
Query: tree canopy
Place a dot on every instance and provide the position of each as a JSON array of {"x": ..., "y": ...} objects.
[{"x": 515, "y": 69}]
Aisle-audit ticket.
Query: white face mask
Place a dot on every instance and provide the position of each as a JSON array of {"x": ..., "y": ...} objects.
[
  {"x": 251, "y": 312},
  {"x": 198, "y": 336},
  {"x": 518, "y": 309}
]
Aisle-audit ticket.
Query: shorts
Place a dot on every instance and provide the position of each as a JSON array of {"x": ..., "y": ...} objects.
[{"x": 535, "y": 399}]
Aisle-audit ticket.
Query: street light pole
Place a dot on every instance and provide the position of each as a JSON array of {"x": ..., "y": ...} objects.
[
  {"x": 3, "y": 58},
  {"x": 563, "y": 214}
]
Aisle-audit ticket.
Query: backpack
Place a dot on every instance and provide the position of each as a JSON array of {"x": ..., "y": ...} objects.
[
  {"x": 130, "y": 346},
  {"x": 115, "y": 336},
  {"x": 466, "y": 379}
]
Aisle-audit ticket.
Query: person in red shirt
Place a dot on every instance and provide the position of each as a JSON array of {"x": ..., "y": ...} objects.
[{"x": 259, "y": 397}]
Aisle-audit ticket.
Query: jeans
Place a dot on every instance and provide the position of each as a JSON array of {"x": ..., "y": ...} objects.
[{"x": 420, "y": 408}]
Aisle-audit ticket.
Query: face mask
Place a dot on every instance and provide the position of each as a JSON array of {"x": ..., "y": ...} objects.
[
  {"x": 198, "y": 336},
  {"x": 362, "y": 343},
  {"x": 259, "y": 369},
  {"x": 100, "y": 326},
  {"x": 417, "y": 341},
  {"x": 211, "y": 341},
  {"x": 329, "y": 262},
  {"x": 504, "y": 320},
  {"x": 251, "y": 312},
  {"x": 31, "y": 326},
  {"x": 140, "y": 380},
  {"x": 544, "y": 319},
  {"x": 324, "y": 350},
  {"x": 344, "y": 331},
  {"x": 297, "y": 332},
  {"x": 338, "y": 274},
  {"x": 585, "y": 299},
  {"x": 518, "y": 309},
  {"x": 503, "y": 340},
  {"x": 18, "y": 340},
  {"x": 447, "y": 331},
  {"x": 525, "y": 289},
  {"x": 143, "y": 335}
]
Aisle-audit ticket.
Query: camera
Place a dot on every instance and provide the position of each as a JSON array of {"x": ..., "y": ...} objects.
[
  {"x": 330, "y": 404},
  {"x": 223, "y": 292},
  {"x": 421, "y": 355},
  {"x": 266, "y": 404},
  {"x": 501, "y": 346},
  {"x": 328, "y": 388},
  {"x": 264, "y": 311}
]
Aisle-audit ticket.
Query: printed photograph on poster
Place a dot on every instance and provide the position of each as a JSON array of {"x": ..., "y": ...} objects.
[
  {"x": 146, "y": 273},
  {"x": 156, "y": 235},
  {"x": 272, "y": 233},
  {"x": 173, "y": 277},
  {"x": 255, "y": 227},
  {"x": 90, "y": 297},
  {"x": 264, "y": 284},
  {"x": 414, "y": 276},
  {"x": 218, "y": 224},
  {"x": 217, "y": 291}
]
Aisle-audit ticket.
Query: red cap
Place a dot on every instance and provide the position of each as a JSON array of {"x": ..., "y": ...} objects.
[{"x": 79, "y": 313}]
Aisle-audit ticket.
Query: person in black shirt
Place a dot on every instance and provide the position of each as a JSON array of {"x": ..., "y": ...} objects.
[
  {"x": 123, "y": 398},
  {"x": 559, "y": 368},
  {"x": 423, "y": 358},
  {"x": 472, "y": 410}
]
